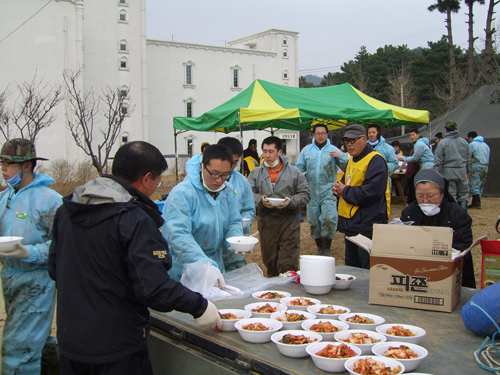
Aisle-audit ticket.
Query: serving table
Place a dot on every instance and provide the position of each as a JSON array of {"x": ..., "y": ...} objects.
[
  {"x": 396, "y": 178},
  {"x": 178, "y": 346}
]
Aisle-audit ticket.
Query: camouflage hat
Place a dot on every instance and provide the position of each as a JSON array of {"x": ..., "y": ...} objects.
[
  {"x": 451, "y": 126},
  {"x": 19, "y": 150}
]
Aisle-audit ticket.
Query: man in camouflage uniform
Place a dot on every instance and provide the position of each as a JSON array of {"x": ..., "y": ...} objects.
[{"x": 27, "y": 209}]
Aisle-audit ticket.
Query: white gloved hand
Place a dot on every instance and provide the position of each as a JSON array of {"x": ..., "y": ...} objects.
[
  {"x": 220, "y": 279},
  {"x": 210, "y": 318},
  {"x": 284, "y": 204},
  {"x": 265, "y": 202},
  {"x": 240, "y": 252},
  {"x": 20, "y": 251}
]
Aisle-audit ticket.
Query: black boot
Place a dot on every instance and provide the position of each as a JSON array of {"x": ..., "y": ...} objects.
[
  {"x": 327, "y": 243},
  {"x": 476, "y": 202},
  {"x": 319, "y": 245}
]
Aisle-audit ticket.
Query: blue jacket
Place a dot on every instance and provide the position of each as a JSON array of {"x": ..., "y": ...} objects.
[
  {"x": 388, "y": 153},
  {"x": 480, "y": 151},
  {"x": 197, "y": 225},
  {"x": 422, "y": 154}
]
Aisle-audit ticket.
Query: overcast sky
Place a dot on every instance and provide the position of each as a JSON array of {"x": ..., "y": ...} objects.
[{"x": 331, "y": 32}]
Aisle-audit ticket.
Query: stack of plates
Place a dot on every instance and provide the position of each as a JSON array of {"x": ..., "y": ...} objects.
[{"x": 317, "y": 273}]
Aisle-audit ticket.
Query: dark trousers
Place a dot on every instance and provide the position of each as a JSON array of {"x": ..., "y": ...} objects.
[
  {"x": 411, "y": 190},
  {"x": 468, "y": 279},
  {"x": 136, "y": 364},
  {"x": 356, "y": 256}
]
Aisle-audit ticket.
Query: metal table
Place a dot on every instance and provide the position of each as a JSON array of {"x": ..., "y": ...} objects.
[{"x": 177, "y": 345}]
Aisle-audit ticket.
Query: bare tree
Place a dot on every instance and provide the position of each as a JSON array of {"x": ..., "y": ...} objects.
[
  {"x": 84, "y": 110},
  {"x": 31, "y": 110},
  {"x": 470, "y": 51},
  {"x": 488, "y": 45},
  {"x": 401, "y": 81}
]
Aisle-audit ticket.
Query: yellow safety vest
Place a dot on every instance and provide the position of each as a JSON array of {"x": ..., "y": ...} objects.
[
  {"x": 354, "y": 176},
  {"x": 251, "y": 163}
]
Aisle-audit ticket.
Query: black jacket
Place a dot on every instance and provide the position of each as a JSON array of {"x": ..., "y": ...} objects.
[
  {"x": 370, "y": 197},
  {"x": 110, "y": 263}
]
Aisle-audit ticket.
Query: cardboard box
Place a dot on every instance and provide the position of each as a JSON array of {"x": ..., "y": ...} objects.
[
  {"x": 490, "y": 269},
  {"x": 413, "y": 267}
]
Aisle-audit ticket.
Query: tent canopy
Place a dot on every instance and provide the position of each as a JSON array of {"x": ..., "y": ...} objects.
[{"x": 268, "y": 105}]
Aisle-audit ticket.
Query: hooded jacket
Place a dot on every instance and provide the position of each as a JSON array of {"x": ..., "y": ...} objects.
[
  {"x": 422, "y": 155},
  {"x": 452, "y": 152},
  {"x": 388, "y": 153},
  {"x": 110, "y": 263},
  {"x": 480, "y": 151}
]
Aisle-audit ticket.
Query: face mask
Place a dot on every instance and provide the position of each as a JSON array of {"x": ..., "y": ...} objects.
[
  {"x": 374, "y": 143},
  {"x": 222, "y": 187},
  {"x": 430, "y": 209},
  {"x": 274, "y": 164},
  {"x": 16, "y": 180}
]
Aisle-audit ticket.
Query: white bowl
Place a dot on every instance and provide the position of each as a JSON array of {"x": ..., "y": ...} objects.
[
  {"x": 315, "y": 310},
  {"x": 275, "y": 202},
  {"x": 378, "y": 321},
  {"x": 7, "y": 243},
  {"x": 317, "y": 290},
  {"x": 251, "y": 306},
  {"x": 261, "y": 292},
  {"x": 329, "y": 336},
  {"x": 257, "y": 337},
  {"x": 228, "y": 324},
  {"x": 292, "y": 325},
  {"x": 245, "y": 222},
  {"x": 410, "y": 364},
  {"x": 365, "y": 348},
  {"x": 419, "y": 333},
  {"x": 344, "y": 283},
  {"x": 242, "y": 244},
  {"x": 329, "y": 364},
  {"x": 286, "y": 301},
  {"x": 290, "y": 350},
  {"x": 389, "y": 362}
]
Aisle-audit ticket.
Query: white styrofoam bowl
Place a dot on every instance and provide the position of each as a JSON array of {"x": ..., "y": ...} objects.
[
  {"x": 419, "y": 333},
  {"x": 329, "y": 336},
  {"x": 7, "y": 243},
  {"x": 275, "y": 202},
  {"x": 242, "y": 244},
  {"x": 329, "y": 364},
  {"x": 245, "y": 222},
  {"x": 317, "y": 290},
  {"x": 389, "y": 362},
  {"x": 228, "y": 324},
  {"x": 294, "y": 351},
  {"x": 378, "y": 321},
  {"x": 257, "y": 337},
  {"x": 315, "y": 310},
  {"x": 261, "y": 292},
  {"x": 251, "y": 306},
  {"x": 286, "y": 301},
  {"x": 345, "y": 283},
  {"x": 410, "y": 364},
  {"x": 292, "y": 325},
  {"x": 365, "y": 348}
]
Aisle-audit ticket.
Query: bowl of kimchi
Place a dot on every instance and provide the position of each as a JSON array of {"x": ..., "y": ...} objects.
[
  {"x": 270, "y": 295},
  {"x": 343, "y": 281},
  {"x": 328, "y": 311},
  {"x": 264, "y": 309},
  {"x": 331, "y": 356},
  {"x": 292, "y": 319},
  {"x": 293, "y": 343},
  {"x": 401, "y": 332},
  {"x": 327, "y": 328},
  {"x": 363, "y": 339},
  {"x": 410, "y": 355},
  {"x": 231, "y": 316},
  {"x": 362, "y": 320},
  {"x": 299, "y": 303},
  {"x": 364, "y": 365},
  {"x": 257, "y": 330}
]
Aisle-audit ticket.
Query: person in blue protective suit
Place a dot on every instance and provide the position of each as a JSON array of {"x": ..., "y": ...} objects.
[
  {"x": 422, "y": 154},
  {"x": 201, "y": 212},
  {"x": 480, "y": 158},
  {"x": 320, "y": 161},
  {"x": 27, "y": 209},
  {"x": 376, "y": 140}
]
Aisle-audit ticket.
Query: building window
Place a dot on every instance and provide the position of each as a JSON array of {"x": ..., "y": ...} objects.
[
  {"x": 285, "y": 42},
  {"x": 123, "y": 92},
  {"x": 125, "y": 136},
  {"x": 189, "y": 109},
  {"x": 188, "y": 74},
  {"x": 285, "y": 54},
  {"x": 123, "y": 15},
  {"x": 123, "y": 1},
  {"x": 123, "y": 46},
  {"x": 123, "y": 63},
  {"x": 285, "y": 74},
  {"x": 124, "y": 110},
  {"x": 190, "y": 147},
  {"x": 235, "y": 78}
]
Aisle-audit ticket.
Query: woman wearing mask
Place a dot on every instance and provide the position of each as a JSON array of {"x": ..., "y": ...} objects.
[{"x": 435, "y": 207}]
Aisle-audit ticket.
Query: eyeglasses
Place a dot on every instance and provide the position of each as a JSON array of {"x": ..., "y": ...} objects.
[
  {"x": 429, "y": 197},
  {"x": 7, "y": 163},
  {"x": 320, "y": 133},
  {"x": 217, "y": 176},
  {"x": 352, "y": 141}
]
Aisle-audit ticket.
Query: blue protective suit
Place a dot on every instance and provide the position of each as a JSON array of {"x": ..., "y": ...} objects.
[
  {"x": 197, "y": 225},
  {"x": 388, "y": 153},
  {"x": 422, "y": 155},
  {"x": 321, "y": 173},
  {"x": 480, "y": 157},
  {"x": 28, "y": 290}
]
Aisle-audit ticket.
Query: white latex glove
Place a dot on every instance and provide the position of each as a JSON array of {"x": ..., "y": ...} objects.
[
  {"x": 220, "y": 279},
  {"x": 210, "y": 318},
  {"x": 284, "y": 204},
  {"x": 265, "y": 202},
  {"x": 20, "y": 251}
]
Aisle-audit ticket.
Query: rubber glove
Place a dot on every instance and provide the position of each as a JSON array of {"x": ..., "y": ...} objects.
[
  {"x": 265, "y": 202},
  {"x": 20, "y": 251},
  {"x": 220, "y": 279},
  {"x": 210, "y": 318},
  {"x": 284, "y": 204},
  {"x": 239, "y": 252}
]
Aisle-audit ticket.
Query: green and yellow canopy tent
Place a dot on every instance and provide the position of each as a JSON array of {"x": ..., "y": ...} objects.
[{"x": 269, "y": 106}]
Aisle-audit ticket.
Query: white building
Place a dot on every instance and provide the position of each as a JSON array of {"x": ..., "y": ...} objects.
[{"x": 161, "y": 79}]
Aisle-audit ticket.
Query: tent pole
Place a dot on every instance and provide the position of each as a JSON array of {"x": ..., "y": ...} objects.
[
  {"x": 176, "y": 159},
  {"x": 242, "y": 168}
]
